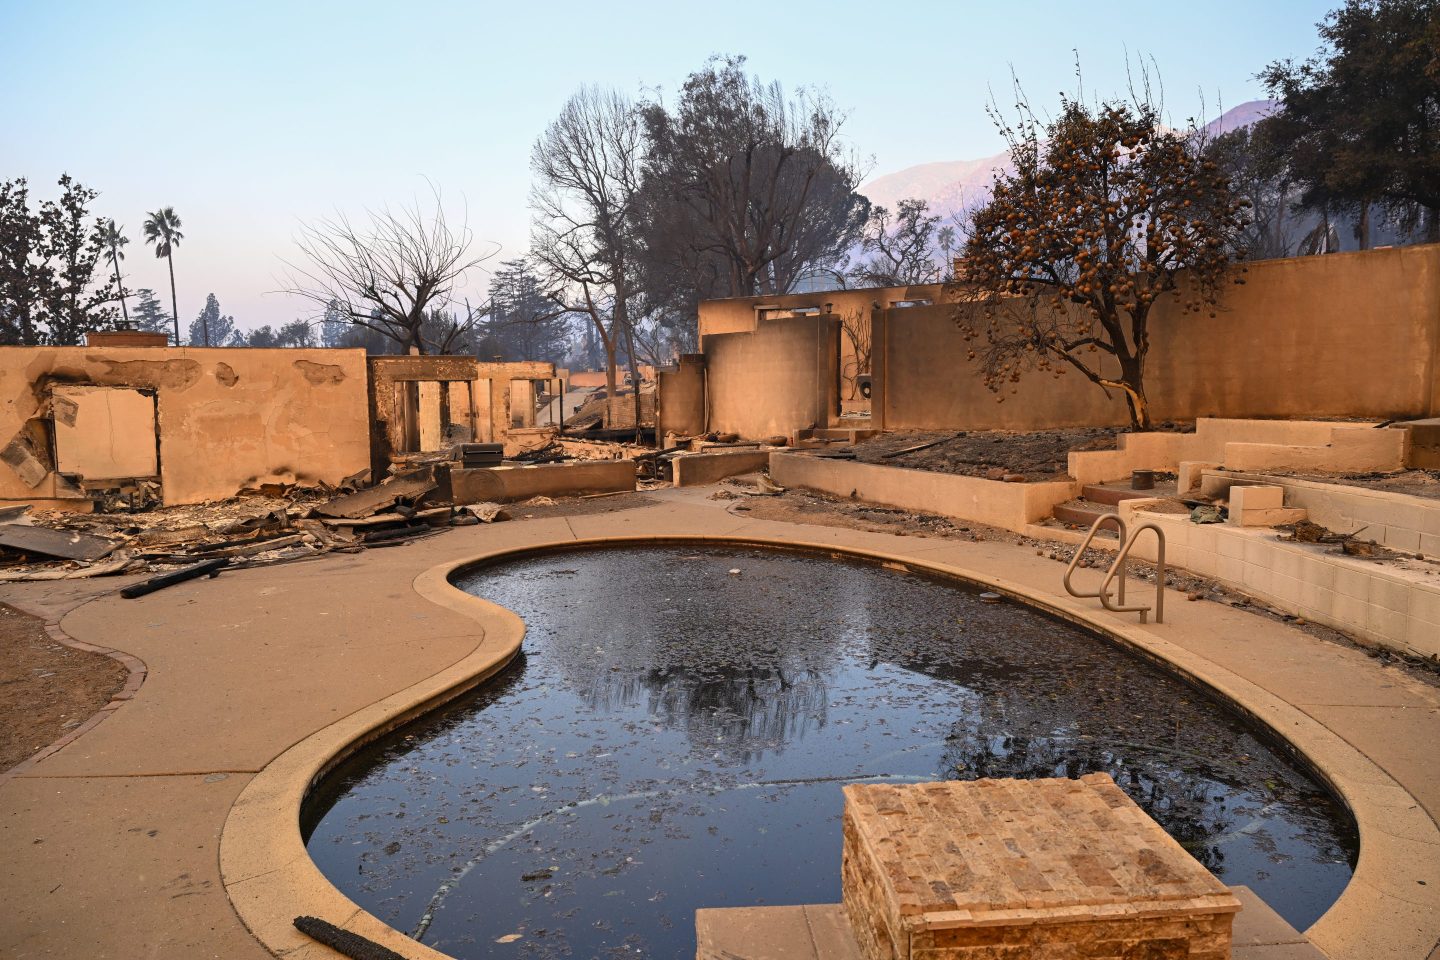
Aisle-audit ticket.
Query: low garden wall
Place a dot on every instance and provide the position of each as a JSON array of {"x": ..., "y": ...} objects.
[
  {"x": 1394, "y": 520},
  {"x": 1322, "y": 445},
  {"x": 1386, "y": 606},
  {"x": 510, "y": 484},
  {"x": 1011, "y": 506},
  {"x": 693, "y": 470}
]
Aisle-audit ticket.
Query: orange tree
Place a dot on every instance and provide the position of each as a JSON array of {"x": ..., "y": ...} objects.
[{"x": 1104, "y": 213}]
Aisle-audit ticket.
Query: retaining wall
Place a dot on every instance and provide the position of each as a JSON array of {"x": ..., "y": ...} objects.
[
  {"x": 1395, "y": 520},
  {"x": 1011, "y": 506},
  {"x": 1390, "y": 607},
  {"x": 1239, "y": 444}
]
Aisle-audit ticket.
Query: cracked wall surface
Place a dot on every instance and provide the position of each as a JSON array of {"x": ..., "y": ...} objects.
[{"x": 227, "y": 418}]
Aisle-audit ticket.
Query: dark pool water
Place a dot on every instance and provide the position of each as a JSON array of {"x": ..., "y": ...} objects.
[{"x": 675, "y": 736}]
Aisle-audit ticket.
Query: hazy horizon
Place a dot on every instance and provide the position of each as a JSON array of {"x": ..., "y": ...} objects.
[{"x": 250, "y": 120}]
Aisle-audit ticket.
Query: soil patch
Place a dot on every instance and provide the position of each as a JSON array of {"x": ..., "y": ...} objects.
[
  {"x": 46, "y": 688},
  {"x": 1035, "y": 456}
]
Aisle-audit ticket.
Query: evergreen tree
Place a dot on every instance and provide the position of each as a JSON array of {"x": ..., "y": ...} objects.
[
  {"x": 333, "y": 326},
  {"x": 21, "y": 274},
  {"x": 149, "y": 314},
  {"x": 49, "y": 291},
  {"x": 1357, "y": 123},
  {"x": 262, "y": 337},
  {"x": 74, "y": 301},
  {"x": 296, "y": 333},
  {"x": 211, "y": 322},
  {"x": 524, "y": 323}
]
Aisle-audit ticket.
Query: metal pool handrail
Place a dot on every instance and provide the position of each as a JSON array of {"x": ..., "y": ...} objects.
[
  {"x": 1119, "y": 564},
  {"x": 1100, "y": 521}
]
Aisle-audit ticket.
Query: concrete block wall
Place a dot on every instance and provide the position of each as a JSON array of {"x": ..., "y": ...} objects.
[
  {"x": 1285, "y": 344},
  {"x": 1392, "y": 608},
  {"x": 1395, "y": 520}
]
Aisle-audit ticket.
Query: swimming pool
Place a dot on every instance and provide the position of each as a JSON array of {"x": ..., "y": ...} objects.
[{"x": 675, "y": 735}]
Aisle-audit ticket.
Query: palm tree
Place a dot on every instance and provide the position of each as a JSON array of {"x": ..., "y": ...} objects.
[
  {"x": 113, "y": 240},
  {"x": 162, "y": 228}
]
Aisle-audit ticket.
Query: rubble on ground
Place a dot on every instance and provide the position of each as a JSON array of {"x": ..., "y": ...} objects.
[{"x": 272, "y": 524}]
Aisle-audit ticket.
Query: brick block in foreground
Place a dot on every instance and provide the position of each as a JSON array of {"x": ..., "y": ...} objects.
[{"x": 1024, "y": 868}]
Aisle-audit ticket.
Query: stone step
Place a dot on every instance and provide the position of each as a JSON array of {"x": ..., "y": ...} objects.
[{"x": 1081, "y": 513}]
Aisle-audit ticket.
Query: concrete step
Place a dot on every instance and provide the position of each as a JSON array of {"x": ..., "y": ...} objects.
[
  {"x": 846, "y": 434},
  {"x": 811, "y": 932},
  {"x": 822, "y": 932},
  {"x": 1112, "y": 494},
  {"x": 1081, "y": 513}
]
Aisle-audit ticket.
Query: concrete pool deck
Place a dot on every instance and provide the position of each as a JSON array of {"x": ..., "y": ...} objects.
[{"x": 114, "y": 842}]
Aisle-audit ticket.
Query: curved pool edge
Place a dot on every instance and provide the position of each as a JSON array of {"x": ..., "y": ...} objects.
[{"x": 270, "y": 878}]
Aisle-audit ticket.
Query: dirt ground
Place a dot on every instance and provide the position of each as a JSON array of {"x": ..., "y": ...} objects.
[
  {"x": 1036, "y": 456},
  {"x": 538, "y": 509},
  {"x": 46, "y": 688}
]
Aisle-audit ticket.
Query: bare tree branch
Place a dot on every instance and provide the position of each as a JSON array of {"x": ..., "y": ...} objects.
[{"x": 389, "y": 275}]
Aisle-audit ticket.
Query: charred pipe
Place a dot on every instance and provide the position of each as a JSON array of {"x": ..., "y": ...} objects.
[{"x": 208, "y": 568}]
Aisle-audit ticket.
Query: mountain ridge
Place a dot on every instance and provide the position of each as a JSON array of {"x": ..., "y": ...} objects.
[{"x": 952, "y": 187}]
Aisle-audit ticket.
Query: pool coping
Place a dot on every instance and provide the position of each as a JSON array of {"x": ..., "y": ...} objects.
[{"x": 270, "y": 877}]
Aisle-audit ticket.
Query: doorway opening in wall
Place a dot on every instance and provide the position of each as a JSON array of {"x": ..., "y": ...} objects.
[
  {"x": 854, "y": 385},
  {"x": 522, "y": 404},
  {"x": 436, "y": 414}
]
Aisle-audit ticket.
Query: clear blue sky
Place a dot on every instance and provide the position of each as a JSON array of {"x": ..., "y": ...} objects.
[{"x": 249, "y": 118}]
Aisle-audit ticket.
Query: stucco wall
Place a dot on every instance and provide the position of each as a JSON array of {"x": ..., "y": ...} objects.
[
  {"x": 740, "y": 314},
  {"x": 227, "y": 418},
  {"x": 927, "y": 383},
  {"x": 1343, "y": 335},
  {"x": 774, "y": 381},
  {"x": 681, "y": 399}
]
